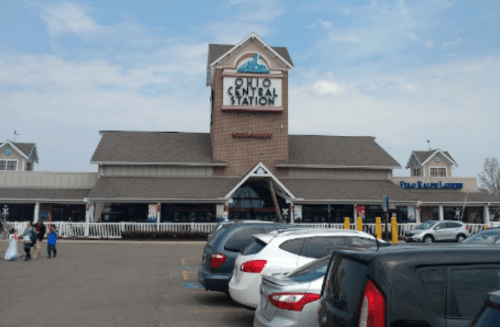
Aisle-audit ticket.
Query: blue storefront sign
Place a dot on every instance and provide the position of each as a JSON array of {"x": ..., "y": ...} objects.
[{"x": 437, "y": 186}]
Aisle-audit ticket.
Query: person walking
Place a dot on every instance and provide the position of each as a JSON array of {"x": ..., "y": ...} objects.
[
  {"x": 12, "y": 253},
  {"x": 51, "y": 242},
  {"x": 29, "y": 239},
  {"x": 40, "y": 235}
]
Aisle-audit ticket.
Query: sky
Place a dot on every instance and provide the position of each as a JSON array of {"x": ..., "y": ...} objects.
[{"x": 403, "y": 72}]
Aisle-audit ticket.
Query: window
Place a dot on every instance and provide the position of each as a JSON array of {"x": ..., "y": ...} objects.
[
  {"x": 293, "y": 246},
  {"x": 434, "y": 172},
  {"x": 417, "y": 172},
  {"x": 433, "y": 283},
  {"x": 8, "y": 165},
  {"x": 442, "y": 172},
  {"x": 29, "y": 167},
  {"x": 468, "y": 288},
  {"x": 242, "y": 238},
  {"x": 318, "y": 247},
  {"x": 361, "y": 242},
  {"x": 11, "y": 165}
]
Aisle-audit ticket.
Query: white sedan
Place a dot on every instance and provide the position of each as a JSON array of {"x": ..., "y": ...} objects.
[{"x": 275, "y": 254}]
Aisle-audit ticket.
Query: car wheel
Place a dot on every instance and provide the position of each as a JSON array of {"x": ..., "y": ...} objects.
[
  {"x": 460, "y": 238},
  {"x": 428, "y": 239}
]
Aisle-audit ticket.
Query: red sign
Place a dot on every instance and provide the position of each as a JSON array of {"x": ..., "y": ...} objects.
[
  {"x": 361, "y": 210},
  {"x": 254, "y": 135}
]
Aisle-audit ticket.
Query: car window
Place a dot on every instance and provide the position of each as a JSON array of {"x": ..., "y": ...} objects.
[
  {"x": 293, "y": 246},
  {"x": 426, "y": 225},
  {"x": 242, "y": 238},
  {"x": 318, "y": 247},
  {"x": 433, "y": 287},
  {"x": 468, "y": 288},
  {"x": 218, "y": 236},
  {"x": 344, "y": 284},
  {"x": 311, "y": 271},
  {"x": 440, "y": 226},
  {"x": 453, "y": 225},
  {"x": 254, "y": 247},
  {"x": 487, "y": 237},
  {"x": 362, "y": 242}
]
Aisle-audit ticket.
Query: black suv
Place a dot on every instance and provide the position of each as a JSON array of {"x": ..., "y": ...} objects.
[
  {"x": 222, "y": 249},
  {"x": 408, "y": 286}
]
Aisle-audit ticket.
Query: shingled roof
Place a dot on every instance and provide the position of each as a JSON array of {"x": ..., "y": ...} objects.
[
  {"x": 155, "y": 147},
  {"x": 423, "y": 156},
  {"x": 162, "y": 188},
  {"x": 337, "y": 151},
  {"x": 26, "y": 149},
  {"x": 32, "y": 195},
  {"x": 215, "y": 51}
]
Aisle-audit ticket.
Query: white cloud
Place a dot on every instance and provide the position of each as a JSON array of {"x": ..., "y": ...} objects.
[
  {"x": 328, "y": 87},
  {"x": 325, "y": 24},
  {"x": 69, "y": 18}
]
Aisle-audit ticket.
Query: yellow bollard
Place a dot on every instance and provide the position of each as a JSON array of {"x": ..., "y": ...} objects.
[
  {"x": 485, "y": 226},
  {"x": 347, "y": 224},
  {"x": 394, "y": 229},
  {"x": 360, "y": 224},
  {"x": 378, "y": 227}
]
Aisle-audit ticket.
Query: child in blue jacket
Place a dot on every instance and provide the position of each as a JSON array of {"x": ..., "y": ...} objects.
[{"x": 51, "y": 241}]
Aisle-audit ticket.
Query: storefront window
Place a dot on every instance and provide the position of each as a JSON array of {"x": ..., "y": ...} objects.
[
  {"x": 184, "y": 213},
  {"x": 429, "y": 213},
  {"x": 17, "y": 212},
  {"x": 320, "y": 214},
  {"x": 453, "y": 213},
  {"x": 402, "y": 215},
  {"x": 494, "y": 213}
]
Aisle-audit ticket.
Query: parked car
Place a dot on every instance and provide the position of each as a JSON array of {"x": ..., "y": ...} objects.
[
  {"x": 229, "y": 222},
  {"x": 489, "y": 315},
  {"x": 291, "y": 299},
  {"x": 438, "y": 230},
  {"x": 222, "y": 249},
  {"x": 488, "y": 236},
  {"x": 285, "y": 252},
  {"x": 407, "y": 285}
]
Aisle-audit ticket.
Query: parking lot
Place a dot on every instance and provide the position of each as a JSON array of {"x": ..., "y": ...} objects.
[{"x": 113, "y": 283}]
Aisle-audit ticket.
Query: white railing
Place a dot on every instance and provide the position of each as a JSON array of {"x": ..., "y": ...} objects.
[{"x": 114, "y": 230}]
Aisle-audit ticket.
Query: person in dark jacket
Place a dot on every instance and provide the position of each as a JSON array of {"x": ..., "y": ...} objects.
[
  {"x": 40, "y": 235},
  {"x": 28, "y": 241}
]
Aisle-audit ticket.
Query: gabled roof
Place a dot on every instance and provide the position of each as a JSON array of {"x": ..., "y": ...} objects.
[
  {"x": 216, "y": 52},
  {"x": 127, "y": 147},
  {"x": 24, "y": 149},
  {"x": 424, "y": 156},
  {"x": 321, "y": 151}
]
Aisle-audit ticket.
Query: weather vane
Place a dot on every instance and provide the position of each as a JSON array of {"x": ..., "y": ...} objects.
[
  {"x": 428, "y": 141},
  {"x": 15, "y": 134}
]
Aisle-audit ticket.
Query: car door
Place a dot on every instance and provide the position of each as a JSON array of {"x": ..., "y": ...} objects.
[
  {"x": 440, "y": 231},
  {"x": 452, "y": 230}
]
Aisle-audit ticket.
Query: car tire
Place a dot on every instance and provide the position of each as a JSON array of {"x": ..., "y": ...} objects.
[
  {"x": 428, "y": 239},
  {"x": 460, "y": 238}
]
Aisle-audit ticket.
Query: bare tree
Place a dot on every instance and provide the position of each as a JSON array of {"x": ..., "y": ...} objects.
[{"x": 489, "y": 179}]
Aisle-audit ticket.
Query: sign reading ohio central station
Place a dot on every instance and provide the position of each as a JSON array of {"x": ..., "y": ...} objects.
[{"x": 252, "y": 92}]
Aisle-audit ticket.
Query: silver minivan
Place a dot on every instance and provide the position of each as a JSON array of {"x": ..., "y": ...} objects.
[{"x": 438, "y": 230}]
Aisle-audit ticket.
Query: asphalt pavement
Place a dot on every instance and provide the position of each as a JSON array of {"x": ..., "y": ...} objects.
[{"x": 112, "y": 283}]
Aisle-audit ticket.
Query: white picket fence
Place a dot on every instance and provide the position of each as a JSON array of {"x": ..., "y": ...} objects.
[{"x": 114, "y": 230}]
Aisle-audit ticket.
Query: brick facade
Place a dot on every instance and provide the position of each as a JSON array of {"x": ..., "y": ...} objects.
[{"x": 244, "y": 153}]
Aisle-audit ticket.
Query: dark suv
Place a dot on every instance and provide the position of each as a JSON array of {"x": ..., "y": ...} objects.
[
  {"x": 408, "y": 286},
  {"x": 222, "y": 249},
  {"x": 489, "y": 315}
]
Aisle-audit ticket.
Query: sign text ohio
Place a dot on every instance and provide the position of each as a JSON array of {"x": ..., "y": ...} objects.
[
  {"x": 252, "y": 91},
  {"x": 440, "y": 185}
]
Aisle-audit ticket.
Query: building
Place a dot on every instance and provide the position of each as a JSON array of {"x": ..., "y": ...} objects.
[{"x": 249, "y": 165}]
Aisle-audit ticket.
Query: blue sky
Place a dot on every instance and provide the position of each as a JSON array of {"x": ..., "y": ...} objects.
[{"x": 401, "y": 71}]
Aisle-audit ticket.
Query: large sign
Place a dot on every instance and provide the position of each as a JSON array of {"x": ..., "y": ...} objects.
[
  {"x": 252, "y": 92},
  {"x": 438, "y": 186}
]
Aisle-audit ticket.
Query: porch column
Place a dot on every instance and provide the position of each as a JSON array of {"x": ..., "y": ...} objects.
[
  {"x": 36, "y": 214},
  {"x": 355, "y": 218},
  {"x": 441, "y": 213},
  {"x": 292, "y": 213},
  {"x": 486, "y": 215},
  {"x": 158, "y": 215}
]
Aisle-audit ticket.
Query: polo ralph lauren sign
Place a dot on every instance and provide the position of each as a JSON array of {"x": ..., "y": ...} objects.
[{"x": 438, "y": 186}]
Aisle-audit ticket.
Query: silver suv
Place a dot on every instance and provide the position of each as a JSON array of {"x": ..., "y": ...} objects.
[{"x": 438, "y": 230}]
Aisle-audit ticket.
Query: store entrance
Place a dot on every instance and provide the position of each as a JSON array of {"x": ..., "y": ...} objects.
[{"x": 254, "y": 201}]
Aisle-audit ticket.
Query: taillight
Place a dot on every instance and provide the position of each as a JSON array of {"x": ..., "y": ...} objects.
[
  {"x": 292, "y": 301},
  {"x": 372, "y": 312},
  {"x": 466, "y": 227},
  {"x": 253, "y": 266},
  {"x": 217, "y": 259}
]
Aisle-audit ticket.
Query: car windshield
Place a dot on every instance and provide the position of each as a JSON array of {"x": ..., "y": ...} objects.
[
  {"x": 427, "y": 224},
  {"x": 486, "y": 237},
  {"x": 311, "y": 271}
]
